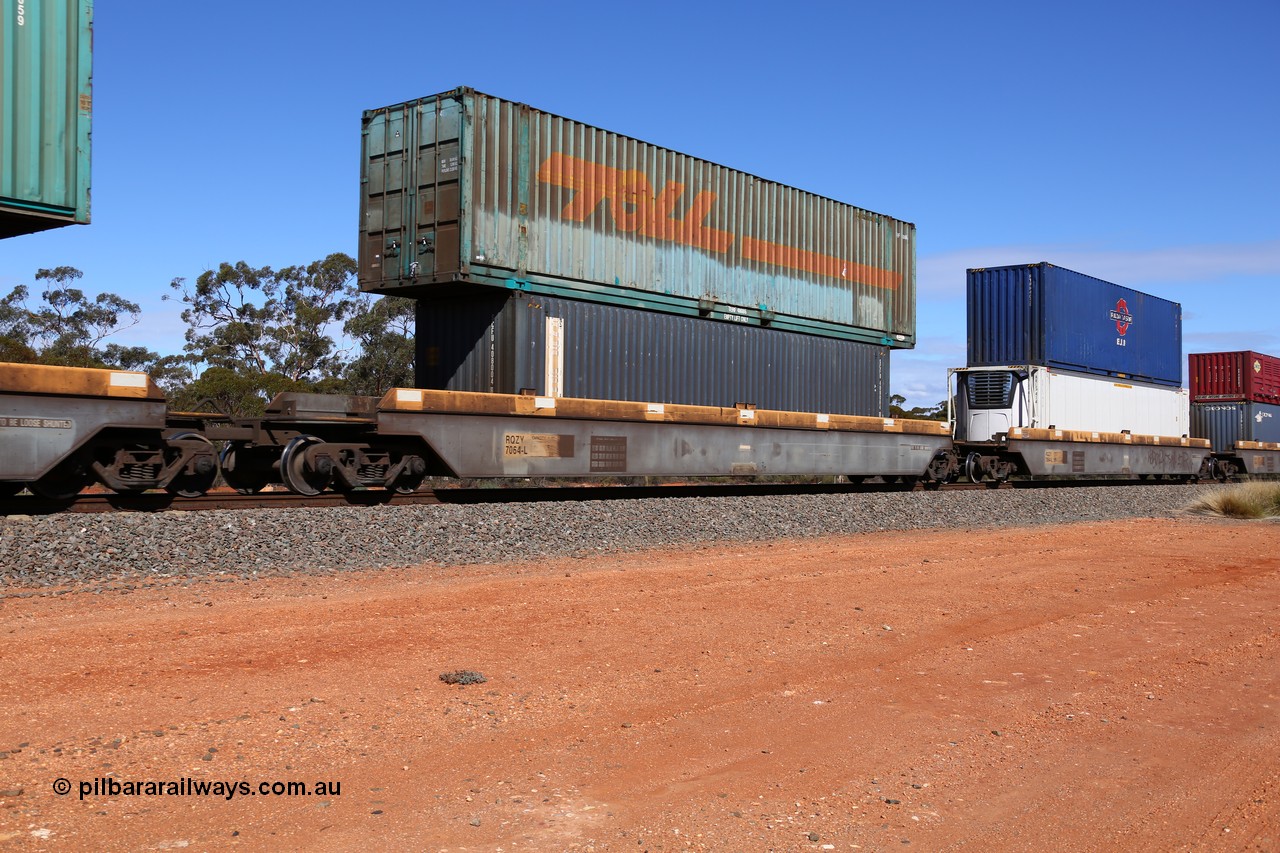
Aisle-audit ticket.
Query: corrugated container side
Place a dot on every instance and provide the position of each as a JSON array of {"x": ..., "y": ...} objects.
[
  {"x": 1225, "y": 376},
  {"x": 1226, "y": 423},
  {"x": 990, "y": 402},
  {"x": 562, "y": 347},
  {"x": 1047, "y": 315},
  {"x": 466, "y": 189},
  {"x": 46, "y": 102}
]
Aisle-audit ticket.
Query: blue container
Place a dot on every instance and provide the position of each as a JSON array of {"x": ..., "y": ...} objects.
[
  {"x": 1040, "y": 314},
  {"x": 1226, "y": 423}
]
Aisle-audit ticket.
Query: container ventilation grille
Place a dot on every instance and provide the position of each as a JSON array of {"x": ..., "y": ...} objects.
[{"x": 991, "y": 390}]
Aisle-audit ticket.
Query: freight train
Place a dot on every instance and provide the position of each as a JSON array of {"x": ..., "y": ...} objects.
[
  {"x": 590, "y": 305},
  {"x": 64, "y": 429}
]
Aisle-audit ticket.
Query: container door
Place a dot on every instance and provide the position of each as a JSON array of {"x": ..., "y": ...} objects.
[
  {"x": 436, "y": 171},
  {"x": 385, "y": 196},
  {"x": 411, "y": 183},
  {"x": 1263, "y": 422},
  {"x": 1263, "y": 378}
]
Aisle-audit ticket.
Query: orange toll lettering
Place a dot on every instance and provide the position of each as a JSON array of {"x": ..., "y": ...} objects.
[
  {"x": 636, "y": 208},
  {"x": 633, "y": 204},
  {"x": 697, "y": 234},
  {"x": 828, "y": 265}
]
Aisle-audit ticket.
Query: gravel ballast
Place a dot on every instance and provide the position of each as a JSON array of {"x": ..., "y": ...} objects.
[{"x": 72, "y": 549}]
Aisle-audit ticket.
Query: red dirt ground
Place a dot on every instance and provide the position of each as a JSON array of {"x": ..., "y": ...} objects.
[{"x": 1106, "y": 686}]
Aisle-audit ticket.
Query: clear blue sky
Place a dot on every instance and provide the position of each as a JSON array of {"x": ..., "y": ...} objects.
[{"x": 1135, "y": 142}]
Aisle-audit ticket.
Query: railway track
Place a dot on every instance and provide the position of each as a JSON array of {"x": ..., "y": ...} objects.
[{"x": 156, "y": 501}]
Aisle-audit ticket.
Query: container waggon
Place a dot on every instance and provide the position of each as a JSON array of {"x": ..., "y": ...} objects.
[
  {"x": 1245, "y": 436},
  {"x": 1071, "y": 375},
  {"x": 1235, "y": 403},
  {"x": 1041, "y": 421},
  {"x": 64, "y": 428},
  {"x": 72, "y": 427}
]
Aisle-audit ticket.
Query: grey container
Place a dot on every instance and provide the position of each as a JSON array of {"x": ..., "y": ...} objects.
[
  {"x": 567, "y": 348},
  {"x": 1226, "y": 423},
  {"x": 465, "y": 191}
]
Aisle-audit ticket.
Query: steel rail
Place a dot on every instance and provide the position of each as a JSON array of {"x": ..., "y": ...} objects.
[{"x": 99, "y": 502}]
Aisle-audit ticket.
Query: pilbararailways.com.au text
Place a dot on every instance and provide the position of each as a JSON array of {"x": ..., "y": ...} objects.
[{"x": 187, "y": 787}]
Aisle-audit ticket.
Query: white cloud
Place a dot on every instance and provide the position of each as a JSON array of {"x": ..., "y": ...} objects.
[
  {"x": 1227, "y": 341},
  {"x": 920, "y": 375},
  {"x": 942, "y": 276}
]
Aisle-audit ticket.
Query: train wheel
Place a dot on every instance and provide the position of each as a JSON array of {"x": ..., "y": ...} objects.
[
  {"x": 194, "y": 483},
  {"x": 239, "y": 474},
  {"x": 941, "y": 467},
  {"x": 62, "y": 483},
  {"x": 973, "y": 467},
  {"x": 297, "y": 476},
  {"x": 410, "y": 480}
]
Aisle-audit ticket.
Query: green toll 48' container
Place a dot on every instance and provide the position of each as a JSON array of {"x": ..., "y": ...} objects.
[
  {"x": 46, "y": 100},
  {"x": 461, "y": 191}
]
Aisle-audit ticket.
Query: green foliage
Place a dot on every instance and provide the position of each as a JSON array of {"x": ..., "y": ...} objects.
[
  {"x": 171, "y": 372},
  {"x": 232, "y": 392},
  {"x": 256, "y": 331},
  {"x": 15, "y": 330},
  {"x": 384, "y": 330},
  {"x": 936, "y": 412},
  {"x": 262, "y": 321},
  {"x": 68, "y": 328},
  {"x": 262, "y": 331}
]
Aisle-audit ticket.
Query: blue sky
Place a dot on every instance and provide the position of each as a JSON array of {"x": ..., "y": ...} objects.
[{"x": 1134, "y": 142}]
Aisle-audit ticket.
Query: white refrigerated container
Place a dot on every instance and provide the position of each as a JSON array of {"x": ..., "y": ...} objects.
[{"x": 992, "y": 400}]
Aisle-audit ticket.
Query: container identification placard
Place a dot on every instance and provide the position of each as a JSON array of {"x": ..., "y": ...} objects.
[{"x": 537, "y": 445}]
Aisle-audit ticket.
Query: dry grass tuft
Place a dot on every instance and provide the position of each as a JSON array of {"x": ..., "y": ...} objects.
[{"x": 1248, "y": 500}]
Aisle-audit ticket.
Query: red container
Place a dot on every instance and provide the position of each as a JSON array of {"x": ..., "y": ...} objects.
[{"x": 1249, "y": 377}]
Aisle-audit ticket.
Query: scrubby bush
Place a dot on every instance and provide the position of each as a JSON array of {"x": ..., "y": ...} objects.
[{"x": 1248, "y": 500}]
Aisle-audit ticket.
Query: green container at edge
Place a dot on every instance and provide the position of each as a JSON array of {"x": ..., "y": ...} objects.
[{"x": 46, "y": 102}]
